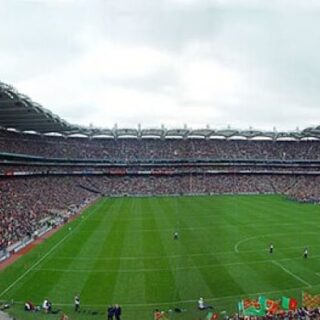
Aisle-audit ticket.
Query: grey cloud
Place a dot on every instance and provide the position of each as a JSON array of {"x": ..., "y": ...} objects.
[
  {"x": 274, "y": 45},
  {"x": 36, "y": 37}
]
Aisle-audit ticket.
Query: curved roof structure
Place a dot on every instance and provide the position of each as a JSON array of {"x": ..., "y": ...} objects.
[{"x": 19, "y": 112}]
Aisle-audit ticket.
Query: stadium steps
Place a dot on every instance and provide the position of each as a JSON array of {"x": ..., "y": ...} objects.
[{"x": 89, "y": 189}]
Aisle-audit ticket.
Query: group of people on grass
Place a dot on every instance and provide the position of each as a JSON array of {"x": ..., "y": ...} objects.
[
  {"x": 113, "y": 311},
  {"x": 46, "y": 306},
  {"x": 305, "y": 250}
]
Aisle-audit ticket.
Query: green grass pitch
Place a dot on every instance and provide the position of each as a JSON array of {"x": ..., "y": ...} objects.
[{"x": 121, "y": 250}]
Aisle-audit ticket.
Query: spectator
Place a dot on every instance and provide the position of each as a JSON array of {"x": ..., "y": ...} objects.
[
  {"x": 77, "y": 303},
  {"x": 117, "y": 312},
  {"x": 110, "y": 312},
  {"x": 64, "y": 316},
  {"x": 202, "y": 305},
  {"x": 29, "y": 306},
  {"x": 46, "y": 306}
]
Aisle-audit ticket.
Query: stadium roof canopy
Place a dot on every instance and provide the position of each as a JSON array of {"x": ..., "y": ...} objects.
[{"x": 19, "y": 112}]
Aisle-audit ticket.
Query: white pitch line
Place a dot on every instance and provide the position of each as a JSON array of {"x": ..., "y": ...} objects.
[
  {"x": 210, "y": 227},
  {"x": 40, "y": 260},
  {"x": 179, "y": 256},
  {"x": 203, "y": 266},
  {"x": 236, "y": 246},
  {"x": 177, "y": 302},
  {"x": 33, "y": 266},
  {"x": 290, "y": 273}
]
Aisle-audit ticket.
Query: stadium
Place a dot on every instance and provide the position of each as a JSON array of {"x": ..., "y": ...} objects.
[
  {"x": 92, "y": 213},
  {"x": 159, "y": 160}
]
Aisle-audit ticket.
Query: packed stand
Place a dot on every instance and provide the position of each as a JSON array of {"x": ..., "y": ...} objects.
[
  {"x": 146, "y": 149},
  {"x": 25, "y": 202}
]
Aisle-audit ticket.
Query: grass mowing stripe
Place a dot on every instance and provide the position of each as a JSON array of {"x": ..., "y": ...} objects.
[
  {"x": 129, "y": 287},
  {"x": 211, "y": 227},
  {"x": 208, "y": 254},
  {"x": 290, "y": 273},
  {"x": 159, "y": 245},
  {"x": 182, "y": 268},
  {"x": 159, "y": 210},
  {"x": 112, "y": 243},
  {"x": 179, "y": 219}
]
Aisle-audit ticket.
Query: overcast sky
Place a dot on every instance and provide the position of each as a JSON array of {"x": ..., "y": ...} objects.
[{"x": 238, "y": 63}]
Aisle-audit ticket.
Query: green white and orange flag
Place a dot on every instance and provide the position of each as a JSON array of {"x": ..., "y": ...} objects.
[
  {"x": 212, "y": 316},
  {"x": 310, "y": 301},
  {"x": 289, "y": 304}
]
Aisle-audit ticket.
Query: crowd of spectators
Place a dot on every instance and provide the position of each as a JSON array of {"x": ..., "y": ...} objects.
[
  {"x": 303, "y": 188},
  {"x": 26, "y": 202},
  {"x": 172, "y": 168},
  {"x": 302, "y": 313},
  {"x": 147, "y": 149}
]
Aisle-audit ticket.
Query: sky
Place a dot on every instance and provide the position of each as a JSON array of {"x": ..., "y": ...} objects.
[{"x": 196, "y": 63}]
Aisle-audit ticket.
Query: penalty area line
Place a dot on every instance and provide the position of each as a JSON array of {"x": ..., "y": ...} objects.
[{"x": 290, "y": 273}]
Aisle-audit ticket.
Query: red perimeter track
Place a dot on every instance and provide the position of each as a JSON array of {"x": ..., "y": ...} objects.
[{"x": 15, "y": 256}]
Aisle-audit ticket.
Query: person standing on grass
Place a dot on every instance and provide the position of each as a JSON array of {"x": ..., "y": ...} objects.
[
  {"x": 117, "y": 312},
  {"x": 271, "y": 248},
  {"x": 77, "y": 303},
  {"x": 305, "y": 253},
  {"x": 110, "y": 312}
]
